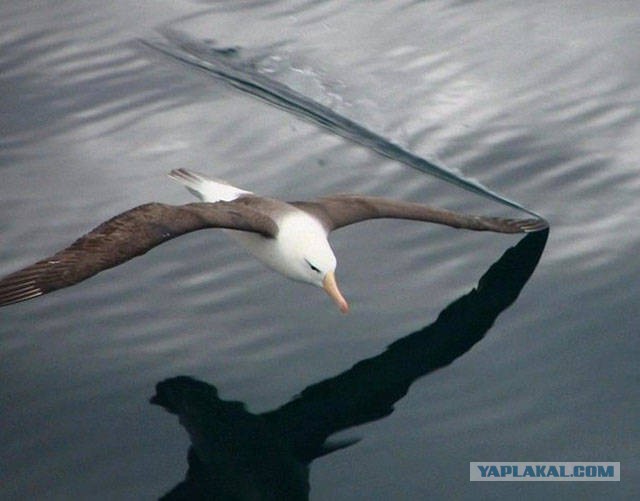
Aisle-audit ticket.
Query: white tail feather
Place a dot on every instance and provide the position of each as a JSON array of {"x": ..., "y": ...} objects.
[{"x": 207, "y": 189}]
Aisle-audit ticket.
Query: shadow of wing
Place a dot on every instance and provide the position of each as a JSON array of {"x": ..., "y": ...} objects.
[{"x": 369, "y": 389}]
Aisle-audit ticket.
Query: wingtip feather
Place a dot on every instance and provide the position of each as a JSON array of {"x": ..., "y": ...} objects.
[
  {"x": 533, "y": 225},
  {"x": 15, "y": 294}
]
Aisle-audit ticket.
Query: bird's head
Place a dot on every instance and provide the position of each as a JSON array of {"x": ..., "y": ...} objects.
[{"x": 312, "y": 261}]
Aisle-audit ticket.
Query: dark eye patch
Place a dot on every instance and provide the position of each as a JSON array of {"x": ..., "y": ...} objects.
[{"x": 317, "y": 270}]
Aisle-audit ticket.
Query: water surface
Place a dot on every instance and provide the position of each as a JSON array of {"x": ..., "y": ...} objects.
[{"x": 538, "y": 102}]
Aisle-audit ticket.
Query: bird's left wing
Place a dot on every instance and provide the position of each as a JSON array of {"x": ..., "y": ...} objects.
[
  {"x": 337, "y": 211},
  {"x": 124, "y": 237}
]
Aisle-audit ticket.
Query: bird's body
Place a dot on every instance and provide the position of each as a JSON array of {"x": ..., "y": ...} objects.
[
  {"x": 300, "y": 243},
  {"x": 299, "y": 235},
  {"x": 290, "y": 238}
]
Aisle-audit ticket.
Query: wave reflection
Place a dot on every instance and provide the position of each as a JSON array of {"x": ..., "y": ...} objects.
[{"x": 227, "y": 65}]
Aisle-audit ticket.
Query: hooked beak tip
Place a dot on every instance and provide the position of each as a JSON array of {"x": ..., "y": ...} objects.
[{"x": 331, "y": 287}]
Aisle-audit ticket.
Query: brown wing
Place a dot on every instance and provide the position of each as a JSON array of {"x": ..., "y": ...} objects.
[
  {"x": 341, "y": 210},
  {"x": 125, "y": 236}
]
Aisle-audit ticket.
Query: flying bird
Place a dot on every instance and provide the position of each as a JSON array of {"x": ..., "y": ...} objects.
[{"x": 289, "y": 237}]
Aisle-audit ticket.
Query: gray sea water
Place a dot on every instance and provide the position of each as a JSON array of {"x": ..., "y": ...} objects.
[{"x": 460, "y": 346}]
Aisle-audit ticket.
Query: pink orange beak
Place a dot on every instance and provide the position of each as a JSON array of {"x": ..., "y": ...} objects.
[{"x": 329, "y": 284}]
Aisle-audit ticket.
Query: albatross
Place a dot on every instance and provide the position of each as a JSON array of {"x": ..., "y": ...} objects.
[{"x": 288, "y": 237}]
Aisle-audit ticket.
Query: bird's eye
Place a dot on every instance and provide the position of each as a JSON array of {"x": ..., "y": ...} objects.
[{"x": 317, "y": 270}]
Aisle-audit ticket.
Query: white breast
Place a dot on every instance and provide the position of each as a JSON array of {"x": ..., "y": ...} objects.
[{"x": 300, "y": 238}]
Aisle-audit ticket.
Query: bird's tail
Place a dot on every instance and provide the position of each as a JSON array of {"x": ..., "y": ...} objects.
[{"x": 207, "y": 189}]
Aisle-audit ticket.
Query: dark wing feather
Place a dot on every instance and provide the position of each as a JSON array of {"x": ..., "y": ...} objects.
[
  {"x": 123, "y": 237},
  {"x": 341, "y": 210}
]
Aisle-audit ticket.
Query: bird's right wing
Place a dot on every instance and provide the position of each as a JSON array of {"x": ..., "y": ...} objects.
[
  {"x": 124, "y": 237},
  {"x": 337, "y": 211}
]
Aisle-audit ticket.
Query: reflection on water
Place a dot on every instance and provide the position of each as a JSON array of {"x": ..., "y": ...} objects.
[{"x": 236, "y": 454}]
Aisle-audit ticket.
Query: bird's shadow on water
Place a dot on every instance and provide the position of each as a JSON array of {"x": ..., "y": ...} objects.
[{"x": 236, "y": 454}]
